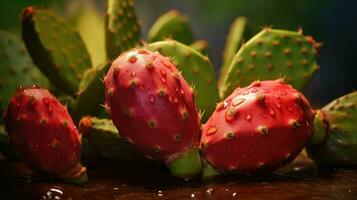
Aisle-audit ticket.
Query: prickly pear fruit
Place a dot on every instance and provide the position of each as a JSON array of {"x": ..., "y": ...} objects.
[
  {"x": 234, "y": 41},
  {"x": 273, "y": 54},
  {"x": 257, "y": 128},
  {"x": 16, "y": 68},
  {"x": 55, "y": 47},
  {"x": 334, "y": 142},
  {"x": 196, "y": 69},
  {"x": 122, "y": 27},
  {"x": 153, "y": 107},
  {"x": 171, "y": 25},
  {"x": 44, "y": 134},
  {"x": 201, "y": 46},
  {"x": 90, "y": 94},
  {"x": 104, "y": 137}
]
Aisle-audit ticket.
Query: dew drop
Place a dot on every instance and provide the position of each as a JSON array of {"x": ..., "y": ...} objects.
[
  {"x": 266, "y": 91},
  {"x": 271, "y": 112},
  {"x": 211, "y": 130},
  {"x": 151, "y": 98},
  {"x": 175, "y": 100},
  {"x": 248, "y": 117},
  {"x": 283, "y": 93},
  {"x": 132, "y": 74},
  {"x": 278, "y": 105},
  {"x": 182, "y": 92},
  {"x": 237, "y": 101},
  {"x": 290, "y": 109}
]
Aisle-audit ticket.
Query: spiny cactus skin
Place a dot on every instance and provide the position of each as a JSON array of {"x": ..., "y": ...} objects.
[
  {"x": 171, "y": 25},
  {"x": 196, "y": 69},
  {"x": 44, "y": 134},
  {"x": 234, "y": 41},
  {"x": 152, "y": 106},
  {"x": 257, "y": 129},
  {"x": 334, "y": 143},
  {"x": 105, "y": 138},
  {"x": 201, "y": 46},
  {"x": 122, "y": 27},
  {"x": 55, "y": 47},
  {"x": 273, "y": 54},
  {"x": 16, "y": 68},
  {"x": 90, "y": 93}
]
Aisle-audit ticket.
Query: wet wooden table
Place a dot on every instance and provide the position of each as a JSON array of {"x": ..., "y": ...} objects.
[{"x": 299, "y": 180}]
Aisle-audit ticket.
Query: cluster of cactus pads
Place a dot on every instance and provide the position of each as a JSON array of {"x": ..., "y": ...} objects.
[{"x": 161, "y": 101}]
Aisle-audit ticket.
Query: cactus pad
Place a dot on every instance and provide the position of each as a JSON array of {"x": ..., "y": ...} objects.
[
  {"x": 234, "y": 41},
  {"x": 273, "y": 54},
  {"x": 171, "y": 25},
  {"x": 104, "y": 138},
  {"x": 16, "y": 68},
  {"x": 196, "y": 69},
  {"x": 122, "y": 27},
  {"x": 55, "y": 47},
  {"x": 339, "y": 145},
  {"x": 91, "y": 93}
]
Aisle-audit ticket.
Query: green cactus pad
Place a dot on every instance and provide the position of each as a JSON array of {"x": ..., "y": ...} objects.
[
  {"x": 171, "y": 25},
  {"x": 272, "y": 54},
  {"x": 186, "y": 164},
  {"x": 6, "y": 147},
  {"x": 55, "y": 47},
  {"x": 16, "y": 68},
  {"x": 196, "y": 69},
  {"x": 339, "y": 147},
  {"x": 122, "y": 27},
  {"x": 90, "y": 93},
  {"x": 234, "y": 41},
  {"x": 103, "y": 136},
  {"x": 201, "y": 46}
]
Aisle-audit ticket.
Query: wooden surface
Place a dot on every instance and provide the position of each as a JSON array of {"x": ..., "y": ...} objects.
[{"x": 299, "y": 180}]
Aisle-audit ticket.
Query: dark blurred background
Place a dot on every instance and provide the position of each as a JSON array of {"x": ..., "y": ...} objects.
[{"x": 332, "y": 22}]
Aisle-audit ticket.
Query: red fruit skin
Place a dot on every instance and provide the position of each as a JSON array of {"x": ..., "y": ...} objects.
[
  {"x": 250, "y": 148},
  {"x": 151, "y": 104},
  {"x": 43, "y": 132}
]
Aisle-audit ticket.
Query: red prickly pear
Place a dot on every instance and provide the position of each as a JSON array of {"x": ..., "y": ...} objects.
[
  {"x": 153, "y": 107},
  {"x": 257, "y": 129},
  {"x": 44, "y": 134}
]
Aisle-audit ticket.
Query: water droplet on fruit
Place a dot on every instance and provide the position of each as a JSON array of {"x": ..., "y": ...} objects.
[
  {"x": 290, "y": 109},
  {"x": 278, "y": 105},
  {"x": 248, "y": 117},
  {"x": 175, "y": 100},
  {"x": 271, "y": 112},
  {"x": 163, "y": 80},
  {"x": 132, "y": 74},
  {"x": 283, "y": 93},
  {"x": 230, "y": 114},
  {"x": 266, "y": 90},
  {"x": 211, "y": 130},
  {"x": 182, "y": 92},
  {"x": 151, "y": 98},
  {"x": 237, "y": 101},
  {"x": 267, "y": 152}
]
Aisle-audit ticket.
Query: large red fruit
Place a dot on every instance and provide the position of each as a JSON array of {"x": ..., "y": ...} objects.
[
  {"x": 153, "y": 107},
  {"x": 44, "y": 134},
  {"x": 258, "y": 128}
]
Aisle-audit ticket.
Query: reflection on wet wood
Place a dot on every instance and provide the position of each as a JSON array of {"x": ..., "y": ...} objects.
[{"x": 299, "y": 180}]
